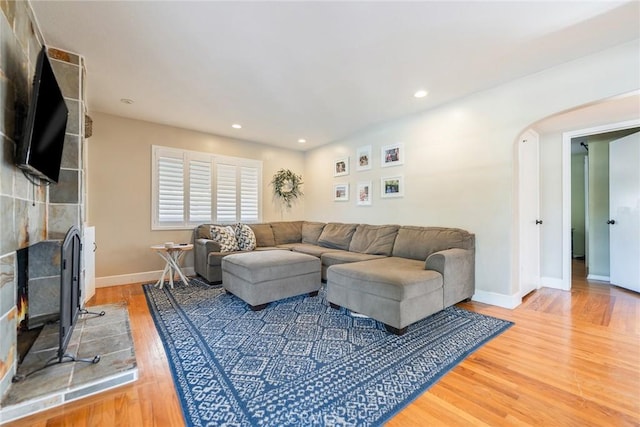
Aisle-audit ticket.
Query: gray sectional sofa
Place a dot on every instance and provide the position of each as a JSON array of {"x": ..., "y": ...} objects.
[{"x": 394, "y": 274}]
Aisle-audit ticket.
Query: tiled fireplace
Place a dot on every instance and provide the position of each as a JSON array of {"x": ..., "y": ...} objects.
[{"x": 34, "y": 219}]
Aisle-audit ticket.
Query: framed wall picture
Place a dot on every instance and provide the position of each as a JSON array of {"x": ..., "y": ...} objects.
[
  {"x": 392, "y": 186},
  {"x": 364, "y": 193},
  {"x": 341, "y": 167},
  {"x": 392, "y": 155},
  {"x": 341, "y": 192},
  {"x": 363, "y": 158}
]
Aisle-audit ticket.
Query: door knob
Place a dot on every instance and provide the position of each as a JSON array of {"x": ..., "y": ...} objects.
[
  {"x": 538, "y": 221},
  {"x": 611, "y": 221}
]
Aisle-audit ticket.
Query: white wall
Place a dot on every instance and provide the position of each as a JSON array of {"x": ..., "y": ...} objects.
[{"x": 460, "y": 169}]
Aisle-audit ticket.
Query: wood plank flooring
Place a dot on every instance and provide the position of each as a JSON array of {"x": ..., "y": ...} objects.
[{"x": 571, "y": 359}]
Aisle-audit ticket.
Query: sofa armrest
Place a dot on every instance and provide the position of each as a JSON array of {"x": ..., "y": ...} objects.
[
  {"x": 457, "y": 267},
  {"x": 201, "y": 250},
  {"x": 206, "y": 246}
]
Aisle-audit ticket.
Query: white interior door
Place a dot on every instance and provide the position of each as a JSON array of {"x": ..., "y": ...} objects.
[
  {"x": 89, "y": 255},
  {"x": 529, "y": 205},
  {"x": 624, "y": 212}
]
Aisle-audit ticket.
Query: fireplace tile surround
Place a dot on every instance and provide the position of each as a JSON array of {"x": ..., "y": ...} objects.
[{"x": 28, "y": 214}]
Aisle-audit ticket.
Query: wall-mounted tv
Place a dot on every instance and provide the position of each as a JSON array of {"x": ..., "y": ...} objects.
[{"x": 39, "y": 148}]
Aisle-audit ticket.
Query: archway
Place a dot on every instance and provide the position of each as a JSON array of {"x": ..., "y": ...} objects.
[{"x": 556, "y": 133}]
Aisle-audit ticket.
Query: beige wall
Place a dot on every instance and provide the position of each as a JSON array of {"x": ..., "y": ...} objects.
[{"x": 119, "y": 181}]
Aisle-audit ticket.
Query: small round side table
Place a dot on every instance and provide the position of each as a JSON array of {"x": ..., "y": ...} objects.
[{"x": 172, "y": 255}]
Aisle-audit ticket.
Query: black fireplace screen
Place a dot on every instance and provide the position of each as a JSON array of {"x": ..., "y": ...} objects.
[{"x": 70, "y": 298}]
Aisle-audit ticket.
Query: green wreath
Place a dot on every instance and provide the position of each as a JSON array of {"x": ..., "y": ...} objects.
[{"x": 286, "y": 186}]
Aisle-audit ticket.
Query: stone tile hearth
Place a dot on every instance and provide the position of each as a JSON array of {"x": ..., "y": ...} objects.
[{"x": 108, "y": 336}]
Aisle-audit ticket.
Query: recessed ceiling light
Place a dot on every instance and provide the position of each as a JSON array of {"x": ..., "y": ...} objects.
[
  {"x": 421, "y": 93},
  {"x": 302, "y": 140},
  {"x": 126, "y": 101},
  {"x": 236, "y": 126}
]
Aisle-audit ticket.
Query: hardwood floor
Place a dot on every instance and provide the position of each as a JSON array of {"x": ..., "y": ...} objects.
[{"x": 571, "y": 359}]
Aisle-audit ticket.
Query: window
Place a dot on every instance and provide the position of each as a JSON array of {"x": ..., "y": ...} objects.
[{"x": 190, "y": 188}]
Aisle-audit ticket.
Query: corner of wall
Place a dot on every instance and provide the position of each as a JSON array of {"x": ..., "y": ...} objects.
[{"x": 500, "y": 300}]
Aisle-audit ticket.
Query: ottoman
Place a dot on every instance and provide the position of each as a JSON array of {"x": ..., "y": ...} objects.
[{"x": 259, "y": 278}]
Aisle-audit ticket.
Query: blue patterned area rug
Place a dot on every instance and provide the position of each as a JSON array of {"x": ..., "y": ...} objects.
[{"x": 300, "y": 362}]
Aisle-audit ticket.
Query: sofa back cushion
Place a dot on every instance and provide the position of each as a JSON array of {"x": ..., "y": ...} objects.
[
  {"x": 336, "y": 235},
  {"x": 420, "y": 242},
  {"x": 264, "y": 234},
  {"x": 311, "y": 232},
  {"x": 203, "y": 231},
  {"x": 287, "y": 232},
  {"x": 374, "y": 239}
]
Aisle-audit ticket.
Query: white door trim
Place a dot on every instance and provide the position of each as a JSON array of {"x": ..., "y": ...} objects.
[{"x": 566, "y": 188}]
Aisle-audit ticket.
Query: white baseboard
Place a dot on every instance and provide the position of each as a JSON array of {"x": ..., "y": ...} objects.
[
  {"x": 501, "y": 300},
  {"x": 553, "y": 283},
  {"x": 125, "y": 279},
  {"x": 600, "y": 278}
]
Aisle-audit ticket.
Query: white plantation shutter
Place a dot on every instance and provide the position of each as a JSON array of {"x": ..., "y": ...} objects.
[
  {"x": 226, "y": 189},
  {"x": 237, "y": 192},
  {"x": 199, "y": 191},
  {"x": 170, "y": 190},
  {"x": 249, "y": 200},
  {"x": 190, "y": 188}
]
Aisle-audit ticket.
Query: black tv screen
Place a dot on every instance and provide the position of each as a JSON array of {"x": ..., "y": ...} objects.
[{"x": 39, "y": 150}]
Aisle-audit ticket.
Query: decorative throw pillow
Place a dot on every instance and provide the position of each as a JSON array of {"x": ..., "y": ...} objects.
[
  {"x": 246, "y": 237},
  {"x": 225, "y": 237}
]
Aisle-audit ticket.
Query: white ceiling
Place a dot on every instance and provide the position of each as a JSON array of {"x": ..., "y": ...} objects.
[{"x": 315, "y": 70}]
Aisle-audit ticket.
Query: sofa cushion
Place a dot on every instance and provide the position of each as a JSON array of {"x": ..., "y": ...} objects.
[
  {"x": 225, "y": 237},
  {"x": 336, "y": 257},
  {"x": 337, "y": 236},
  {"x": 246, "y": 237},
  {"x": 311, "y": 232},
  {"x": 264, "y": 234},
  {"x": 203, "y": 231},
  {"x": 306, "y": 248},
  {"x": 374, "y": 239},
  {"x": 420, "y": 242},
  {"x": 287, "y": 232}
]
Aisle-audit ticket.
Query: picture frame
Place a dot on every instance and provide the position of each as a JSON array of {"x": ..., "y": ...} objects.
[
  {"x": 392, "y": 155},
  {"x": 341, "y": 166},
  {"x": 341, "y": 193},
  {"x": 364, "y": 192},
  {"x": 392, "y": 186},
  {"x": 363, "y": 158}
]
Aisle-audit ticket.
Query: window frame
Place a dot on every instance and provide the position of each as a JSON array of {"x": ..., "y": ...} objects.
[{"x": 213, "y": 160}]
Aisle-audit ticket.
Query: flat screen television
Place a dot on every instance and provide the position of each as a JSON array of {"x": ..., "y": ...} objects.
[{"x": 39, "y": 148}]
